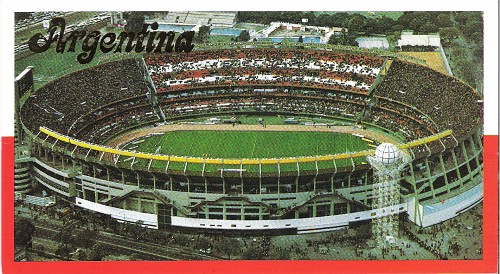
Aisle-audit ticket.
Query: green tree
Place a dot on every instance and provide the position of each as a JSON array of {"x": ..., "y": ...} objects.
[
  {"x": 65, "y": 236},
  {"x": 18, "y": 16},
  {"x": 203, "y": 243},
  {"x": 344, "y": 38},
  {"x": 63, "y": 251},
  {"x": 23, "y": 232},
  {"x": 244, "y": 36},
  {"x": 282, "y": 254},
  {"x": 229, "y": 246},
  {"x": 428, "y": 28},
  {"x": 449, "y": 34},
  {"x": 416, "y": 23},
  {"x": 85, "y": 238},
  {"x": 384, "y": 24},
  {"x": 203, "y": 33},
  {"x": 443, "y": 20},
  {"x": 473, "y": 30},
  {"x": 135, "y": 21},
  {"x": 356, "y": 24},
  {"x": 253, "y": 253},
  {"x": 97, "y": 253},
  {"x": 397, "y": 28},
  {"x": 82, "y": 255}
]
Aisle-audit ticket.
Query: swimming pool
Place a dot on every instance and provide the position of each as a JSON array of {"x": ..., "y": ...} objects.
[
  {"x": 227, "y": 32},
  {"x": 174, "y": 27}
]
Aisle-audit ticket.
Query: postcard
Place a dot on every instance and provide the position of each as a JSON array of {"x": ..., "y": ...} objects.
[{"x": 249, "y": 139}]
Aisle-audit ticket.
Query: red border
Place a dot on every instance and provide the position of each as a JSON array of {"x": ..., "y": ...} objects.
[{"x": 487, "y": 265}]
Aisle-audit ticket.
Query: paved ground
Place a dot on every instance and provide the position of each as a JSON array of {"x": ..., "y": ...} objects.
[{"x": 459, "y": 238}]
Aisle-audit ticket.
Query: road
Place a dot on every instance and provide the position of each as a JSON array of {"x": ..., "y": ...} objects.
[{"x": 152, "y": 251}]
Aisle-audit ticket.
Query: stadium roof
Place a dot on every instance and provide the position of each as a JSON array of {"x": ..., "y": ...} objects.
[
  {"x": 409, "y": 39},
  {"x": 372, "y": 42}
]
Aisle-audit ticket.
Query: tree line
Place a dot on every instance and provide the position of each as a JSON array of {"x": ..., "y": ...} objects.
[{"x": 418, "y": 21}]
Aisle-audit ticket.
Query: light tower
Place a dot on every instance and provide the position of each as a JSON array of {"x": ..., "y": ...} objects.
[{"x": 387, "y": 163}]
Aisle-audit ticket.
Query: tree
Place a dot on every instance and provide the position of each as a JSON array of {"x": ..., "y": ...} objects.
[
  {"x": 65, "y": 236},
  {"x": 82, "y": 255},
  {"x": 334, "y": 40},
  {"x": 135, "y": 21},
  {"x": 23, "y": 232},
  {"x": 97, "y": 253},
  {"x": 18, "y": 16},
  {"x": 344, "y": 38},
  {"x": 282, "y": 254},
  {"x": 443, "y": 20},
  {"x": 63, "y": 251},
  {"x": 85, "y": 238},
  {"x": 473, "y": 30},
  {"x": 253, "y": 253},
  {"x": 397, "y": 28},
  {"x": 203, "y": 243},
  {"x": 384, "y": 24},
  {"x": 449, "y": 34},
  {"x": 428, "y": 28},
  {"x": 203, "y": 33},
  {"x": 416, "y": 23},
  {"x": 464, "y": 17},
  {"x": 356, "y": 23},
  {"x": 229, "y": 246},
  {"x": 244, "y": 36}
]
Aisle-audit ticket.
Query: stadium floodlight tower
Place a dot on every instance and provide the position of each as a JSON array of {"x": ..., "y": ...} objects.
[{"x": 387, "y": 163}]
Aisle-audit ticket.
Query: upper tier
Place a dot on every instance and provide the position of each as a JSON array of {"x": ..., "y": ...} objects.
[{"x": 62, "y": 105}]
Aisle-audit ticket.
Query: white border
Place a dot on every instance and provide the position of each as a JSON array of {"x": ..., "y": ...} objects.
[{"x": 490, "y": 9}]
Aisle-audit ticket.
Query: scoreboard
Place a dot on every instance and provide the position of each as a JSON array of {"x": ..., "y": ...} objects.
[{"x": 22, "y": 84}]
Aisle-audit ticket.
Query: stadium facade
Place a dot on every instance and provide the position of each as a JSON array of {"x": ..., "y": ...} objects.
[{"x": 66, "y": 129}]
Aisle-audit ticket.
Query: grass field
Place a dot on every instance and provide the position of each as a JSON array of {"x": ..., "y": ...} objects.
[
  {"x": 251, "y": 144},
  {"x": 24, "y": 34}
]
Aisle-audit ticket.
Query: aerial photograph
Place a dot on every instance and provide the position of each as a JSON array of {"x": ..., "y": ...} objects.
[{"x": 248, "y": 135}]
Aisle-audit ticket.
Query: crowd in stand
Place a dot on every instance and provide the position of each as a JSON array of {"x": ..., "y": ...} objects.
[
  {"x": 413, "y": 100},
  {"x": 449, "y": 103},
  {"x": 60, "y": 104},
  {"x": 264, "y": 54},
  {"x": 258, "y": 66}
]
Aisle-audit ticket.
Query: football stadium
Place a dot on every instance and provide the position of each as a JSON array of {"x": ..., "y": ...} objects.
[{"x": 257, "y": 136}]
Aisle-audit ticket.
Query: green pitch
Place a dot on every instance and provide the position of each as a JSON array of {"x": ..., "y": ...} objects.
[
  {"x": 247, "y": 144},
  {"x": 251, "y": 144}
]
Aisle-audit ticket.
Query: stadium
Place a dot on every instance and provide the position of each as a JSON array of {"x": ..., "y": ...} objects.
[{"x": 253, "y": 137}]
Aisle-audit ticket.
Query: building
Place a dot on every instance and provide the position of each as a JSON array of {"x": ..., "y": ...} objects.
[{"x": 71, "y": 157}]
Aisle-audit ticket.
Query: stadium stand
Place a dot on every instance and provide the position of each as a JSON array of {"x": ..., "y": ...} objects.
[{"x": 408, "y": 100}]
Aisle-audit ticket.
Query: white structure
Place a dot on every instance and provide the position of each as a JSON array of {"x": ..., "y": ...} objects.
[
  {"x": 409, "y": 39},
  {"x": 372, "y": 42},
  {"x": 117, "y": 18},
  {"x": 323, "y": 32},
  {"x": 387, "y": 163}
]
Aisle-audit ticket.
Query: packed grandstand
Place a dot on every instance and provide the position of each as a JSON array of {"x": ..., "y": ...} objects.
[{"x": 71, "y": 121}]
